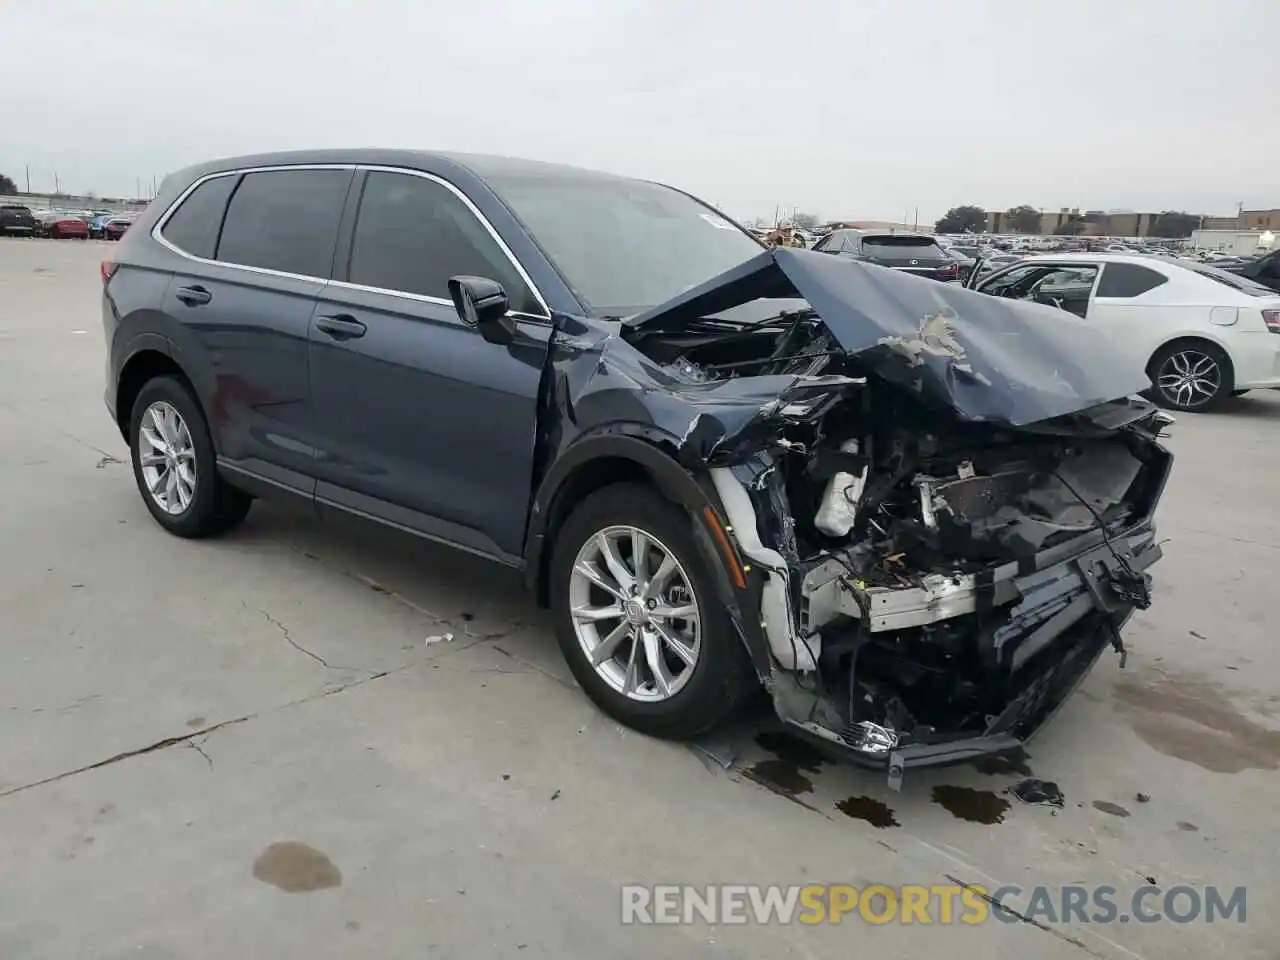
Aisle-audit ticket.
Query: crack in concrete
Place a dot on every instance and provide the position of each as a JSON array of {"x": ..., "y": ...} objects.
[
  {"x": 1009, "y": 911},
  {"x": 126, "y": 755},
  {"x": 288, "y": 637},
  {"x": 189, "y": 739},
  {"x": 200, "y": 750}
]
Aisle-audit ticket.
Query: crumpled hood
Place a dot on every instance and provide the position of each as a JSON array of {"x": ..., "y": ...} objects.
[{"x": 987, "y": 358}]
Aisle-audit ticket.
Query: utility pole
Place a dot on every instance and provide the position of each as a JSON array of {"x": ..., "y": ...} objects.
[
  {"x": 27, "y": 168},
  {"x": 57, "y": 187}
]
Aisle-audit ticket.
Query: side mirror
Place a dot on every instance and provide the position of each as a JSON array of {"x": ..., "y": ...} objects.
[{"x": 482, "y": 304}]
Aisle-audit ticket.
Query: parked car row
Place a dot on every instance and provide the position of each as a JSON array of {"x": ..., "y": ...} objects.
[{"x": 19, "y": 220}]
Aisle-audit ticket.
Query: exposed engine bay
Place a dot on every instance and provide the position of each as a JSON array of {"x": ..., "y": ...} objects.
[{"x": 927, "y": 580}]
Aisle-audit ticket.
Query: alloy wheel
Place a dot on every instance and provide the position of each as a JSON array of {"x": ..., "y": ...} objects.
[
  {"x": 635, "y": 613},
  {"x": 167, "y": 457},
  {"x": 1189, "y": 378}
]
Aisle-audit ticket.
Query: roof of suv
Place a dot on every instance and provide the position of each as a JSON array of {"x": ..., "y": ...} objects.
[{"x": 481, "y": 165}]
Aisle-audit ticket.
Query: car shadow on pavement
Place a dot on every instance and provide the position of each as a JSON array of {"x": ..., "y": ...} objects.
[{"x": 1263, "y": 404}]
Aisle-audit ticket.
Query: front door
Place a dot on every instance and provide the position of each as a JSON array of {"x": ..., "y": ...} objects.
[{"x": 418, "y": 420}]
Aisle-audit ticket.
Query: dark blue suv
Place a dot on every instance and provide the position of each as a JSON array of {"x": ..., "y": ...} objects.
[{"x": 914, "y": 513}]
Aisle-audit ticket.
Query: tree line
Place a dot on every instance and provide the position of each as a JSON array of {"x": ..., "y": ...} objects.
[{"x": 1171, "y": 224}]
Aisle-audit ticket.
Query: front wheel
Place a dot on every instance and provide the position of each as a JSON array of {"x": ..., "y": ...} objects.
[
  {"x": 175, "y": 466},
  {"x": 638, "y": 619},
  {"x": 1193, "y": 376}
]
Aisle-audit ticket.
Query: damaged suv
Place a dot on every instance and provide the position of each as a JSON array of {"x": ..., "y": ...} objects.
[{"x": 915, "y": 514}]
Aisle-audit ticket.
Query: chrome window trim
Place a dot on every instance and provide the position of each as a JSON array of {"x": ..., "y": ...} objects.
[
  {"x": 157, "y": 235},
  {"x": 261, "y": 271}
]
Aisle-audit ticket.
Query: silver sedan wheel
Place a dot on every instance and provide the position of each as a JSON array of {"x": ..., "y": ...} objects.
[
  {"x": 635, "y": 614},
  {"x": 167, "y": 457},
  {"x": 1189, "y": 378}
]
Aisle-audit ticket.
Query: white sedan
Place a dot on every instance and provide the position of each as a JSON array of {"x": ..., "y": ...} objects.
[{"x": 1202, "y": 334}]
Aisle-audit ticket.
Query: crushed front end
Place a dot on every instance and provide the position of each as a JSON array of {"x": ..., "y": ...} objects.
[
  {"x": 937, "y": 541},
  {"x": 931, "y": 595}
]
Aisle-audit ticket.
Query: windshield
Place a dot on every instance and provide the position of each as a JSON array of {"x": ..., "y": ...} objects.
[
  {"x": 1232, "y": 280},
  {"x": 624, "y": 245},
  {"x": 900, "y": 248}
]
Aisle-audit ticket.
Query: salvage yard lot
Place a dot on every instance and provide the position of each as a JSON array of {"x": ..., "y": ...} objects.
[{"x": 247, "y": 747}]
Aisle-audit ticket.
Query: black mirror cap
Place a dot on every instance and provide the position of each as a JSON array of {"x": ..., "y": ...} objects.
[{"x": 482, "y": 303}]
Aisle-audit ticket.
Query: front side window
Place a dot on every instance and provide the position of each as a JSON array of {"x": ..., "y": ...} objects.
[
  {"x": 623, "y": 245},
  {"x": 285, "y": 220},
  {"x": 193, "y": 227},
  {"x": 1014, "y": 283},
  {"x": 412, "y": 234}
]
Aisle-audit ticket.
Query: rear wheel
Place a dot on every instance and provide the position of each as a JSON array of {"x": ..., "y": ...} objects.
[
  {"x": 175, "y": 466},
  {"x": 1191, "y": 375},
  {"x": 637, "y": 617}
]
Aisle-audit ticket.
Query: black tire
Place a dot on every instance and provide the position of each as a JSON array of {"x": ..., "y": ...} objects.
[
  {"x": 1166, "y": 363},
  {"x": 1238, "y": 393},
  {"x": 216, "y": 506},
  {"x": 722, "y": 677}
]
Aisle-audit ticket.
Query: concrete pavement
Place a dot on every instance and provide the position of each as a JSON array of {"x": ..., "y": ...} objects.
[{"x": 246, "y": 747}]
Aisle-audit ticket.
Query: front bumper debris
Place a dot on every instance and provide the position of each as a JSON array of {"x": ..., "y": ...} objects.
[{"x": 1069, "y": 610}]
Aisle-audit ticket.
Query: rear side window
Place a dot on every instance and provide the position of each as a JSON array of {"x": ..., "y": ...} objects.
[
  {"x": 285, "y": 220},
  {"x": 901, "y": 248},
  {"x": 193, "y": 228},
  {"x": 1128, "y": 280},
  {"x": 412, "y": 235}
]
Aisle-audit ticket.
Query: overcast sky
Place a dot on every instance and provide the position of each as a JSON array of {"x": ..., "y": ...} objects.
[{"x": 845, "y": 108}]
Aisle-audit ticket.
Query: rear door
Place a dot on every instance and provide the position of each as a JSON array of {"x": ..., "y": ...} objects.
[
  {"x": 259, "y": 247},
  {"x": 419, "y": 421}
]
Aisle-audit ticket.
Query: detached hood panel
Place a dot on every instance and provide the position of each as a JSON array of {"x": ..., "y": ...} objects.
[{"x": 987, "y": 358}]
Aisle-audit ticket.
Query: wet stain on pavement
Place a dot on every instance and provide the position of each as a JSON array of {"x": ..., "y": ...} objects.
[
  {"x": 1187, "y": 826},
  {"x": 804, "y": 755},
  {"x": 296, "y": 868},
  {"x": 780, "y": 776},
  {"x": 975, "y": 806},
  {"x": 1194, "y": 720},
  {"x": 1106, "y": 806},
  {"x": 195, "y": 723},
  {"x": 1015, "y": 763},
  {"x": 791, "y": 755},
  {"x": 875, "y": 812}
]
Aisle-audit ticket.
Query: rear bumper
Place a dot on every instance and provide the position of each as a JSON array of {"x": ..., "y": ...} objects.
[{"x": 1256, "y": 359}]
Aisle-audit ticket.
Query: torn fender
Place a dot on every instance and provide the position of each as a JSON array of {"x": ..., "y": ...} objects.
[{"x": 599, "y": 382}]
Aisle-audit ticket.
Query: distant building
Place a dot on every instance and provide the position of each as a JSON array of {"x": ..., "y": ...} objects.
[
  {"x": 1099, "y": 223},
  {"x": 1258, "y": 220}
]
